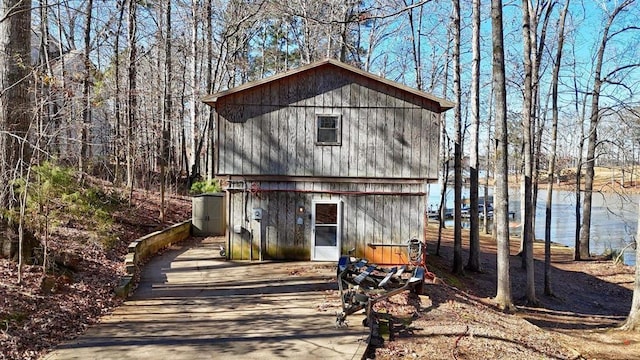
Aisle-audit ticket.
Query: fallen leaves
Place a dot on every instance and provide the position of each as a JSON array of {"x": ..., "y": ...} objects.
[{"x": 33, "y": 321}]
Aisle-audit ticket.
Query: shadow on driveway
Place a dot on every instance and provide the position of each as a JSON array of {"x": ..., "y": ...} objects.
[{"x": 191, "y": 304}]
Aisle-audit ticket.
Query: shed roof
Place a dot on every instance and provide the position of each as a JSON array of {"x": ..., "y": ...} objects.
[{"x": 442, "y": 103}]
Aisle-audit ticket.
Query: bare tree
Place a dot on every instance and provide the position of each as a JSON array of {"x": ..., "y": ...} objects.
[
  {"x": 132, "y": 95},
  {"x": 194, "y": 101},
  {"x": 554, "y": 144},
  {"x": 527, "y": 114},
  {"x": 633, "y": 319},
  {"x": 86, "y": 87},
  {"x": 117, "y": 141},
  {"x": 579, "y": 162},
  {"x": 444, "y": 156},
  {"x": 15, "y": 102},
  {"x": 598, "y": 81},
  {"x": 165, "y": 144},
  {"x": 416, "y": 41},
  {"x": 501, "y": 197},
  {"x": 457, "y": 147},
  {"x": 474, "y": 232}
]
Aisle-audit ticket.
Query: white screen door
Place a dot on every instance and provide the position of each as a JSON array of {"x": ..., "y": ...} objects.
[{"x": 326, "y": 230}]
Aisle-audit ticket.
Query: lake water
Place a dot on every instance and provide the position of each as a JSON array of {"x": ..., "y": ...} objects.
[{"x": 613, "y": 223}]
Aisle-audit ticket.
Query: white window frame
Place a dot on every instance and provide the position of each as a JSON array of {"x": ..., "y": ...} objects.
[{"x": 338, "y": 129}]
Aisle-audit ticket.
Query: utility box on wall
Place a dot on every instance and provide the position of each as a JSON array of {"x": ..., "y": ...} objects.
[{"x": 208, "y": 214}]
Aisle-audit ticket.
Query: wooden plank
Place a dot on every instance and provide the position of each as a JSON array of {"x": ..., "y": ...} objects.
[
  {"x": 365, "y": 225},
  {"x": 375, "y": 227},
  {"x": 226, "y": 141},
  {"x": 283, "y": 140},
  {"x": 427, "y": 139},
  {"x": 273, "y": 139},
  {"x": 294, "y": 148},
  {"x": 221, "y": 146},
  {"x": 308, "y": 141},
  {"x": 348, "y": 221},
  {"x": 249, "y": 140},
  {"x": 416, "y": 155},
  {"x": 347, "y": 133},
  {"x": 354, "y": 94},
  {"x": 236, "y": 149},
  {"x": 322, "y": 97},
  {"x": 386, "y": 221},
  {"x": 432, "y": 153},
  {"x": 392, "y": 146},
  {"x": 408, "y": 153},
  {"x": 404, "y": 221},
  {"x": 278, "y": 207},
  {"x": 338, "y": 161},
  {"x": 354, "y": 130},
  {"x": 399, "y": 137},
  {"x": 434, "y": 150},
  {"x": 259, "y": 143},
  {"x": 313, "y": 157},
  {"x": 371, "y": 138}
]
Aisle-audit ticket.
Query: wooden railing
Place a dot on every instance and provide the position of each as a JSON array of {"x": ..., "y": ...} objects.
[{"x": 147, "y": 246}]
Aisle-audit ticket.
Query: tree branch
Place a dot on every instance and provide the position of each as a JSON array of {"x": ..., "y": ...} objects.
[
  {"x": 623, "y": 30},
  {"x": 364, "y": 16},
  {"x": 625, "y": 67}
]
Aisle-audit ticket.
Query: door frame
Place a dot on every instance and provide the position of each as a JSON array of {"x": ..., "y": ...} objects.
[{"x": 339, "y": 215}]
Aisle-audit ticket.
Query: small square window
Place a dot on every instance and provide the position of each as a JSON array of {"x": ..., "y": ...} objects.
[{"x": 328, "y": 130}]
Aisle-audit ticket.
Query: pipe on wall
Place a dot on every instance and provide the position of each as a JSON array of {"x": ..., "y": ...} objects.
[{"x": 257, "y": 190}]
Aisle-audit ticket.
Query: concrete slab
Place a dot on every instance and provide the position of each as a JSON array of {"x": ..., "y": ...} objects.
[{"x": 191, "y": 304}]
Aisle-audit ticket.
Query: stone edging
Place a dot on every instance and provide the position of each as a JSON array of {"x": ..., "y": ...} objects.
[{"x": 145, "y": 247}]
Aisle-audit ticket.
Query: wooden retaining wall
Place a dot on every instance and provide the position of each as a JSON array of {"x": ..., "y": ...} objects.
[{"x": 147, "y": 246}]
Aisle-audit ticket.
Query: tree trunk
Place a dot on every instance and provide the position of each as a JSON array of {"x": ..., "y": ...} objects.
[
  {"x": 485, "y": 208},
  {"x": 15, "y": 104},
  {"x": 15, "y": 101},
  {"x": 193, "y": 140},
  {"x": 585, "y": 231},
  {"x": 474, "y": 236},
  {"x": 415, "y": 43},
  {"x": 166, "y": 113},
  {"x": 552, "y": 160},
  {"x": 633, "y": 320},
  {"x": 444, "y": 155},
  {"x": 117, "y": 151},
  {"x": 132, "y": 104},
  {"x": 86, "y": 96},
  {"x": 501, "y": 196},
  {"x": 539, "y": 124},
  {"x": 578, "y": 177},
  {"x": 457, "y": 147},
  {"x": 527, "y": 114},
  {"x": 210, "y": 89}
]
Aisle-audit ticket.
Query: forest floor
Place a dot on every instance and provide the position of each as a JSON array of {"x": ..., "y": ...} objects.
[
  {"x": 454, "y": 319},
  {"x": 42, "y": 312}
]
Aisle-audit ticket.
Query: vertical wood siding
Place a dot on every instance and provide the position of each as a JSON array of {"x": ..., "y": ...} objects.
[
  {"x": 271, "y": 129},
  {"x": 367, "y": 219}
]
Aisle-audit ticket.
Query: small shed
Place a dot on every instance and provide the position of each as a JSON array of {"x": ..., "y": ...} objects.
[
  {"x": 207, "y": 214},
  {"x": 323, "y": 159}
]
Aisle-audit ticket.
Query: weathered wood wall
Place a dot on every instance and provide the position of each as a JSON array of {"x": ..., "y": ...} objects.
[
  {"x": 270, "y": 129},
  {"x": 372, "y": 213}
]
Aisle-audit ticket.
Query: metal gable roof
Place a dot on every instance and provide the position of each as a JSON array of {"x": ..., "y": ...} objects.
[{"x": 442, "y": 103}]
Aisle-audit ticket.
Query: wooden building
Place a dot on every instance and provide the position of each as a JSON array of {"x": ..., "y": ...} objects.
[{"x": 325, "y": 158}]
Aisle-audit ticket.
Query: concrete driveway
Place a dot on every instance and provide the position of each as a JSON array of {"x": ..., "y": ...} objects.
[{"x": 191, "y": 304}]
